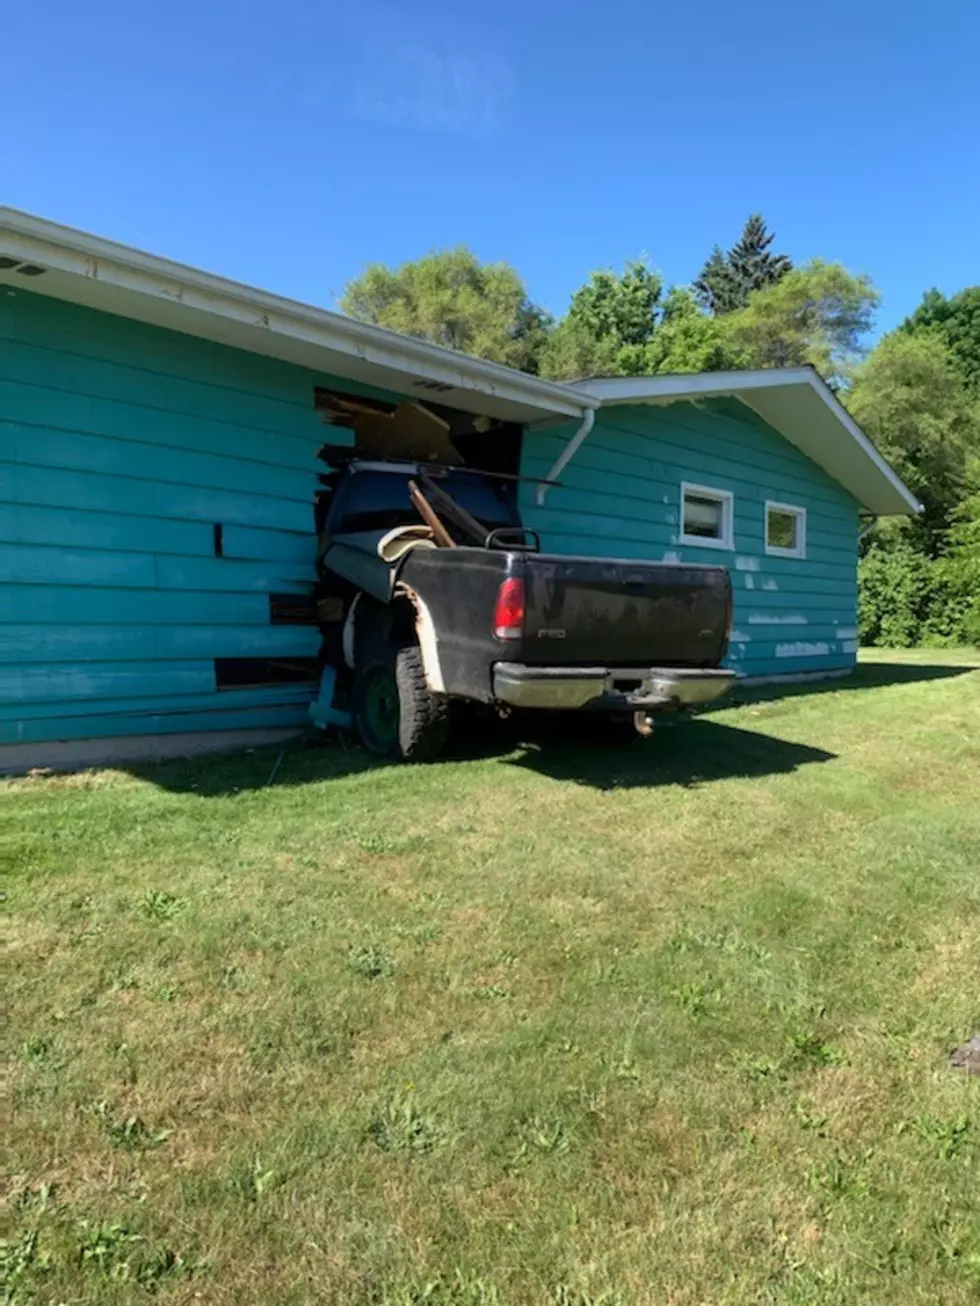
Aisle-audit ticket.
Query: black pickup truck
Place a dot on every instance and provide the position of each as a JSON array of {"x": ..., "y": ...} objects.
[{"x": 489, "y": 619}]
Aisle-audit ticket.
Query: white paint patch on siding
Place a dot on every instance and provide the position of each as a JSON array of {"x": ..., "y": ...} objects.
[
  {"x": 849, "y": 646},
  {"x": 746, "y": 564},
  {"x": 671, "y": 556},
  {"x": 738, "y": 638},
  {"x": 762, "y": 619},
  {"x": 802, "y": 650},
  {"x": 749, "y": 581},
  {"x": 769, "y": 585},
  {"x": 848, "y": 633}
]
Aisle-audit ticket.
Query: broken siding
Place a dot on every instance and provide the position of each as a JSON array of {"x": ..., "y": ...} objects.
[
  {"x": 620, "y": 496},
  {"x": 121, "y": 447}
]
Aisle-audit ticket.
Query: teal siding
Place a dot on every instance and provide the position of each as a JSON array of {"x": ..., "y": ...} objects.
[
  {"x": 620, "y": 496},
  {"x": 121, "y": 446}
]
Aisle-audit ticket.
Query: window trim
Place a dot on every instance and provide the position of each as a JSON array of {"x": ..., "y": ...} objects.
[
  {"x": 774, "y": 550},
  {"x": 727, "y": 500}
]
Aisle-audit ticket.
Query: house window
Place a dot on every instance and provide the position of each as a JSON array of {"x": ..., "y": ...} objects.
[
  {"x": 785, "y": 530},
  {"x": 707, "y": 517}
]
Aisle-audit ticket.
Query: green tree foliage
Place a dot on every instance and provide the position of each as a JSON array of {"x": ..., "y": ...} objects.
[
  {"x": 610, "y": 313},
  {"x": 815, "y": 314},
  {"x": 454, "y": 300},
  {"x": 727, "y": 280},
  {"x": 627, "y": 326},
  {"x": 910, "y": 398},
  {"x": 959, "y": 573},
  {"x": 686, "y": 340},
  {"x": 957, "y": 321}
]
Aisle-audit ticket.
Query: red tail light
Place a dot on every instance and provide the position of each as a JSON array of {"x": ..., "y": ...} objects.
[{"x": 508, "y": 615}]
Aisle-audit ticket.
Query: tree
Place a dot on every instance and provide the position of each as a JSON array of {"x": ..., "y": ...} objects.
[
  {"x": 611, "y": 313},
  {"x": 727, "y": 280},
  {"x": 686, "y": 340},
  {"x": 957, "y": 321},
  {"x": 815, "y": 314},
  {"x": 454, "y": 300},
  {"x": 910, "y": 398}
]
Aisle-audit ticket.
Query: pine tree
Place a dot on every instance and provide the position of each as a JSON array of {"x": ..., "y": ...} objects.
[
  {"x": 715, "y": 288},
  {"x": 727, "y": 280}
]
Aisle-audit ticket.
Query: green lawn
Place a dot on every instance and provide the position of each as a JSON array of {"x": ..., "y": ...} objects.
[{"x": 668, "y": 1025}]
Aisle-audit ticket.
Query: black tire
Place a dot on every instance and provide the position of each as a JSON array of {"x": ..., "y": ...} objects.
[{"x": 396, "y": 715}]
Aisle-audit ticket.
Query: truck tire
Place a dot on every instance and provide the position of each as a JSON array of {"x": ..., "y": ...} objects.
[{"x": 396, "y": 714}]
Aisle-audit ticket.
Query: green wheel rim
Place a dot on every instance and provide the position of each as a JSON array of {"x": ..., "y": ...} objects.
[{"x": 381, "y": 707}]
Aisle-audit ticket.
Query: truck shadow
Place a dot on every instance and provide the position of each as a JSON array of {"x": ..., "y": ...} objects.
[{"x": 690, "y": 754}]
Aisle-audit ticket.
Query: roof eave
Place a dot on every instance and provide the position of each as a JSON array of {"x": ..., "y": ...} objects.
[
  {"x": 146, "y": 279},
  {"x": 889, "y": 497}
]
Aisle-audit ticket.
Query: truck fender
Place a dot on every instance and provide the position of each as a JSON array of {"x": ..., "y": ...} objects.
[
  {"x": 347, "y": 638},
  {"x": 425, "y": 629}
]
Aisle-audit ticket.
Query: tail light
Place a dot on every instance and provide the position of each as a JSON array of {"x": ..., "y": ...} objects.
[{"x": 508, "y": 615}]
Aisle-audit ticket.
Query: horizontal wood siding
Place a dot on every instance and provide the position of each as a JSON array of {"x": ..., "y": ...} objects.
[
  {"x": 122, "y": 446},
  {"x": 620, "y": 497}
]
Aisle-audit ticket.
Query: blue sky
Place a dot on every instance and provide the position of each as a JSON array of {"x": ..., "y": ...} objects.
[{"x": 288, "y": 143}]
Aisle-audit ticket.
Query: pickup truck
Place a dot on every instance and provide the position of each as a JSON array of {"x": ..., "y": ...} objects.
[{"x": 489, "y": 619}]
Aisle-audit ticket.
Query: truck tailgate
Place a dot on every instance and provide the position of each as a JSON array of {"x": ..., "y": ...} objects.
[{"x": 621, "y": 612}]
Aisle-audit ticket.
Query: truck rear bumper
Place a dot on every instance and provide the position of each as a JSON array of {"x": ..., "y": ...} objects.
[{"x": 600, "y": 689}]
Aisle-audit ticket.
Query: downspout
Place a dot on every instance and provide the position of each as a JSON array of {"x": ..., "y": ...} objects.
[
  {"x": 567, "y": 454},
  {"x": 870, "y": 523}
]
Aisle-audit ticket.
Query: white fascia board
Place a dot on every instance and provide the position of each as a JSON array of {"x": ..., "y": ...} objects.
[{"x": 76, "y": 253}]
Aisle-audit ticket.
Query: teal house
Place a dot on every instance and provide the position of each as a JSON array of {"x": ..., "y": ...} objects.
[{"x": 159, "y": 430}]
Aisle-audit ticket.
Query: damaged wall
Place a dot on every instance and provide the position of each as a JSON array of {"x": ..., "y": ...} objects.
[{"x": 156, "y": 529}]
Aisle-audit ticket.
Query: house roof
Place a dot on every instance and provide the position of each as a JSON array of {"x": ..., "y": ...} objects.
[
  {"x": 103, "y": 274},
  {"x": 798, "y": 404},
  {"x": 84, "y": 269}
]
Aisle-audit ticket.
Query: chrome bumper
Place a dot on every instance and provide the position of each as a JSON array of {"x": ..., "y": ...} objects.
[{"x": 599, "y": 689}]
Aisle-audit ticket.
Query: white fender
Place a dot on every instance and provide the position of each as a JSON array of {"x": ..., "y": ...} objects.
[{"x": 425, "y": 628}]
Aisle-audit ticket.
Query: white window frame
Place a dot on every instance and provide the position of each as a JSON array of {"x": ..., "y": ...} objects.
[
  {"x": 799, "y": 513},
  {"x": 727, "y": 500}
]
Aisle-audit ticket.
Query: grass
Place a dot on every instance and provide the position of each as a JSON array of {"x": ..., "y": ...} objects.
[{"x": 567, "y": 1028}]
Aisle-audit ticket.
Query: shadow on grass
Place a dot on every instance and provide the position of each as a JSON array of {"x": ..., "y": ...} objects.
[
  {"x": 867, "y": 675},
  {"x": 689, "y": 753}
]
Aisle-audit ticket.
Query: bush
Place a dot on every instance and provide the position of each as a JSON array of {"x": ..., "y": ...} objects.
[
  {"x": 896, "y": 595},
  {"x": 906, "y": 598}
]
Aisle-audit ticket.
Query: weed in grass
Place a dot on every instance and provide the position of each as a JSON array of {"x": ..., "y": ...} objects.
[
  {"x": 132, "y": 1133},
  {"x": 692, "y": 998},
  {"x": 400, "y": 1125},
  {"x": 21, "y": 1263},
  {"x": 37, "y": 1200},
  {"x": 489, "y": 992},
  {"x": 157, "y": 905},
  {"x": 947, "y": 1137},
  {"x": 166, "y": 993},
  {"x": 810, "y": 1050},
  {"x": 36, "y": 1050},
  {"x": 122, "y": 981},
  {"x": 563, "y": 1295},
  {"x": 461, "y": 1290},
  {"x": 252, "y": 1180},
  {"x": 114, "y": 1253},
  {"x": 371, "y": 963}
]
